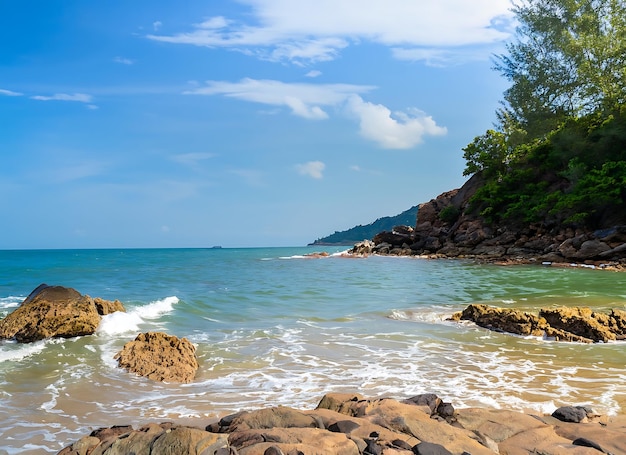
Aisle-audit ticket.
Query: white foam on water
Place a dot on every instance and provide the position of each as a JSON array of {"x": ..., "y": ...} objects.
[
  {"x": 10, "y": 350},
  {"x": 49, "y": 405},
  {"x": 429, "y": 315},
  {"x": 11, "y": 301},
  {"x": 123, "y": 322}
]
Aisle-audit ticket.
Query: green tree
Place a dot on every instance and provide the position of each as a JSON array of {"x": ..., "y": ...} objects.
[{"x": 569, "y": 59}]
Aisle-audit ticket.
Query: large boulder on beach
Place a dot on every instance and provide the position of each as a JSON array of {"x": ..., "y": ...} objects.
[
  {"x": 55, "y": 312},
  {"x": 160, "y": 357}
]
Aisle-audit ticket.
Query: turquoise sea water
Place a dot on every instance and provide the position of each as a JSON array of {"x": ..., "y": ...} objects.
[{"x": 274, "y": 327}]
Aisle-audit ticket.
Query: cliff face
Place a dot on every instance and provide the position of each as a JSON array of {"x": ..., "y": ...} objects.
[{"x": 445, "y": 227}]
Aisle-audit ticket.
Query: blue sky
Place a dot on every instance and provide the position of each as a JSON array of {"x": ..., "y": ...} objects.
[{"x": 235, "y": 123}]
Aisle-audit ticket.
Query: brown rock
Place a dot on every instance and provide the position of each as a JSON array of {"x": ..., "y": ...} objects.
[
  {"x": 503, "y": 319},
  {"x": 363, "y": 248},
  {"x": 563, "y": 324},
  {"x": 386, "y": 427},
  {"x": 160, "y": 357},
  {"x": 51, "y": 312},
  {"x": 275, "y": 417},
  {"x": 308, "y": 441},
  {"x": 105, "y": 307},
  {"x": 579, "y": 321},
  {"x": 187, "y": 441}
]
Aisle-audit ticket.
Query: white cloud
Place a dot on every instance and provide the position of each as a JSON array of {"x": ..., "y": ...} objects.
[
  {"x": 123, "y": 61},
  {"x": 304, "y": 100},
  {"x": 317, "y": 30},
  {"x": 313, "y": 73},
  {"x": 400, "y": 130},
  {"x": 156, "y": 25},
  {"x": 313, "y": 169},
  {"x": 9, "y": 93},
  {"x": 81, "y": 97}
]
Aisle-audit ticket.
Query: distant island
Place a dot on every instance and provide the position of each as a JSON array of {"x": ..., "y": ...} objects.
[{"x": 360, "y": 232}]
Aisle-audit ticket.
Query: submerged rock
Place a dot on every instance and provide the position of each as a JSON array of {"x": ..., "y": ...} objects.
[
  {"x": 160, "y": 357},
  {"x": 55, "y": 312}
]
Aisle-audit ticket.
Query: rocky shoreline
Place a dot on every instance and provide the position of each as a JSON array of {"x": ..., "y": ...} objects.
[
  {"x": 446, "y": 228},
  {"x": 349, "y": 424}
]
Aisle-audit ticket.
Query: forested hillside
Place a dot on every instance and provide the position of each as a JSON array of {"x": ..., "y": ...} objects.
[
  {"x": 558, "y": 152},
  {"x": 358, "y": 233}
]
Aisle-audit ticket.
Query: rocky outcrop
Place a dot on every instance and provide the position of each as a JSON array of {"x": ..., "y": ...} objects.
[
  {"x": 562, "y": 324},
  {"x": 160, "y": 357},
  {"x": 55, "y": 312},
  {"x": 446, "y": 227},
  {"x": 349, "y": 424}
]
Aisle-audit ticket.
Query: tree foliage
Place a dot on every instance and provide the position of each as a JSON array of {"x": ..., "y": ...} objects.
[
  {"x": 558, "y": 153},
  {"x": 569, "y": 59}
]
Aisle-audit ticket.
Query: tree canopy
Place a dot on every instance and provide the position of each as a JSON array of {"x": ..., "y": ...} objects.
[
  {"x": 558, "y": 152},
  {"x": 568, "y": 59}
]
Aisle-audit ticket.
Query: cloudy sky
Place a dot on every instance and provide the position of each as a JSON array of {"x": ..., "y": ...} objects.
[{"x": 152, "y": 123}]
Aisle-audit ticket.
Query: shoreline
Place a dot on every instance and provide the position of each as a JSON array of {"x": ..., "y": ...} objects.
[
  {"x": 350, "y": 424},
  {"x": 613, "y": 266}
]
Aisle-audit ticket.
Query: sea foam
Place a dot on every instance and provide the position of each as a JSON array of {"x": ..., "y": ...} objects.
[
  {"x": 14, "y": 351},
  {"x": 120, "y": 322}
]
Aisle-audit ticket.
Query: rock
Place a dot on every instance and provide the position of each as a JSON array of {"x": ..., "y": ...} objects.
[
  {"x": 429, "y": 448},
  {"x": 275, "y": 417},
  {"x": 54, "y": 312},
  {"x": 562, "y": 324},
  {"x": 502, "y": 319},
  {"x": 584, "y": 442},
  {"x": 450, "y": 226},
  {"x": 105, "y": 307},
  {"x": 392, "y": 238},
  {"x": 165, "y": 438},
  {"x": 160, "y": 357},
  {"x": 591, "y": 249},
  {"x": 362, "y": 248},
  {"x": 579, "y": 321},
  {"x": 386, "y": 426},
  {"x": 574, "y": 414},
  {"x": 343, "y": 426},
  {"x": 436, "y": 406}
]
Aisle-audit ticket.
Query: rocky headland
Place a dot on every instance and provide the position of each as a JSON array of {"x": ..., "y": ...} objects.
[{"x": 446, "y": 227}]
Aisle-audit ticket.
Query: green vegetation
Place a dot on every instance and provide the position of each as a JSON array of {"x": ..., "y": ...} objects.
[
  {"x": 558, "y": 152},
  {"x": 359, "y": 233}
]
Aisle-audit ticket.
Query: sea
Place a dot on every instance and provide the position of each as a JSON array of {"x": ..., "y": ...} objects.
[{"x": 275, "y": 326}]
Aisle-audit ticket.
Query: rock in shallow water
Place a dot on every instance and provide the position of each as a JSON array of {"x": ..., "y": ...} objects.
[
  {"x": 562, "y": 324},
  {"x": 160, "y": 357},
  {"x": 55, "y": 312}
]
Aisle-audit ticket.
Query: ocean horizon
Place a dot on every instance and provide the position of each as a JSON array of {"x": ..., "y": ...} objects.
[{"x": 274, "y": 326}]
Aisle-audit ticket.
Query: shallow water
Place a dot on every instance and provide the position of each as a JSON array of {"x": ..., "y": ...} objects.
[{"x": 272, "y": 327}]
